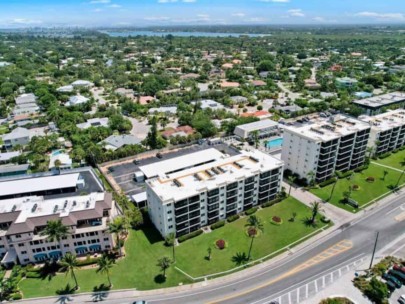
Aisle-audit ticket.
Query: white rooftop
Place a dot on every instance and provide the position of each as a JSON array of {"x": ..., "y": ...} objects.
[
  {"x": 385, "y": 121},
  {"x": 228, "y": 169},
  {"x": 208, "y": 103},
  {"x": 381, "y": 100},
  {"x": 164, "y": 167},
  {"x": 258, "y": 125},
  {"x": 11, "y": 187},
  {"x": 61, "y": 206},
  {"x": 326, "y": 129}
]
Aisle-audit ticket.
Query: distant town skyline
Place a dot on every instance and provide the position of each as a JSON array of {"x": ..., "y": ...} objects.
[{"x": 89, "y": 13}]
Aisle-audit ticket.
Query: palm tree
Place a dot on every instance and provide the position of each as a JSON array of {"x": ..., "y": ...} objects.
[
  {"x": 256, "y": 139},
  {"x": 370, "y": 151},
  {"x": 385, "y": 173},
  {"x": 266, "y": 142},
  {"x": 117, "y": 227},
  {"x": 209, "y": 251},
  {"x": 311, "y": 177},
  {"x": 315, "y": 209},
  {"x": 171, "y": 240},
  {"x": 402, "y": 163},
  {"x": 253, "y": 222},
  {"x": 69, "y": 262},
  {"x": 164, "y": 263},
  {"x": 291, "y": 180},
  {"x": 333, "y": 187},
  {"x": 55, "y": 231},
  {"x": 105, "y": 263}
]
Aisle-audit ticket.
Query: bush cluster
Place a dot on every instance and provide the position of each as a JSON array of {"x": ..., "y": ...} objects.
[
  {"x": 217, "y": 225},
  {"x": 251, "y": 211},
  {"x": 191, "y": 235},
  {"x": 273, "y": 202},
  {"x": 233, "y": 218},
  {"x": 341, "y": 174},
  {"x": 327, "y": 182}
]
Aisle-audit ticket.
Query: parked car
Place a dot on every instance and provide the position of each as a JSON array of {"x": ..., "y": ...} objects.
[
  {"x": 399, "y": 275},
  {"x": 390, "y": 286},
  {"x": 401, "y": 299},
  {"x": 400, "y": 268},
  {"x": 140, "y": 302},
  {"x": 393, "y": 279}
]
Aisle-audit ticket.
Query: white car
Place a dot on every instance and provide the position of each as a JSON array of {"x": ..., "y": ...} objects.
[{"x": 401, "y": 299}]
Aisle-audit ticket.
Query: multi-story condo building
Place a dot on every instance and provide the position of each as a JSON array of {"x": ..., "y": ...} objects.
[
  {"x": 207, "y": 186},
  {"x": 28, "y": 202},
  {"x": 377, "y": 104},
  {"x": 324, "y": 146},
  {"x": 387, "y": 131}
]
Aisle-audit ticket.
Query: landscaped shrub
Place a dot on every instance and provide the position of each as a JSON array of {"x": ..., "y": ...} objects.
[
  {"x": 87, "y": 261},
  {"x": 251, "y": 211},
  {"x": 384, "y": 155},
  {"x": 191, "y": 235},
  {"x": 276, "y": 220},
  {"x": 217, "y": 225},
  {"x": 327, "y": 182},
  {"x": 252, "y": 232},
  {"x": 344, "y": 174},
  {"x": 16, "y": 296},
  {"x": 325, "y": 219},
  {"x": 220, "y": 244},
  {"x": 361, "y": 168},
  {"x": 337, "y": 300},
  {"x": 233, "y": 218},
  {"x": 355, "y": 187},
  {"x": 370, "y": 179},
  {"x": 33, "y": 275},
  {"x": 273, "y": 202}
]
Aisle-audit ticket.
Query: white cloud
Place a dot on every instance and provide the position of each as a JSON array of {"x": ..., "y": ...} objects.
[
  {"x": 397, "y": 16},
  {"x": 166, "y": 1},
  {"x": 100, "y": 1},
  {"x": 296, "y": 12},
  {"x": 189, "y": 1},
  {"x": 319, "y": 19},
  {"x": 97, "y": 10},
  {"x": 24, "y": 21},
  {"x": 114, "y": 6},
  {"x": 156, "y": 18},
  {"x": 256, "y": 19},
  {"x": 238, "y": 15}
]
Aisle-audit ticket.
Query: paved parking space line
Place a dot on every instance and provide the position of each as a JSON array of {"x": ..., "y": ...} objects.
[{"x": 123, "y": 175}]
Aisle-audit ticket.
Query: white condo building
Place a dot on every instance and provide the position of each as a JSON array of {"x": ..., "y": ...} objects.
[
  {"x": 387, "y": 131},
  {"x": 324, "y": 146},
  {"x": 201, "y": 188}
]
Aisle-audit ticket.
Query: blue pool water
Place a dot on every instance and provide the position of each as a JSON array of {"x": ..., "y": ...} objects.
[
  {"x": 56, "y": 152},
  {"x": 274, "y": 143}
]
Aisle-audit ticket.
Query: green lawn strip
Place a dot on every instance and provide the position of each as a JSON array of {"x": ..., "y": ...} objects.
[
  {"x": 367, "y": 192},
  {"x": 394, "y": 160},
  {"x": 191, "y": 255},
  {"x": 144, "y": 247}
]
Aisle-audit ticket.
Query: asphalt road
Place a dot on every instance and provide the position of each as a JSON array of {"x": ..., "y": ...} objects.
[{"x": 342, "y": 247}]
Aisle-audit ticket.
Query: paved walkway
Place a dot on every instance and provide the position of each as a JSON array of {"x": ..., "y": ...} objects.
[{"x": 389, "y": 167}]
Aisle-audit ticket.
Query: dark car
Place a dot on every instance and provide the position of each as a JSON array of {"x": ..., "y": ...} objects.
[
  {"x": 159, "y": 155},
  {"x": 393, "y": 279},
  {"x": 399, "y": 268},
  {"x": 399, "y": 275}
]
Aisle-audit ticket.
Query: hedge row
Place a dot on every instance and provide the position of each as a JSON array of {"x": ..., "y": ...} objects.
[
  {"x": 189, "y": 236},
  {"x": 344, "y": 174},
  {"x": 384, "y": 155},
  {"x": 361, "y": 168},
  {"x": 87, "y": 261},
  {"x": 327, "y": 182},
  {"x": 273, "y": 202},
  {"x": 233, "y": 218},
  {"x": 251, "y": 211},
  {"x": 33, "y": 275},
  {"x": 217, "y": 225}
]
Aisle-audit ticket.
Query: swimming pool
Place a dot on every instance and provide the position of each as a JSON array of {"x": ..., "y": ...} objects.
[
  {"x": 56, "y": 152},
  {"x": 274, "y": 143}
]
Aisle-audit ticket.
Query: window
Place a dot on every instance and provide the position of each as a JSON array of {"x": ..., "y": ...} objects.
[
  {"x": 24, "y": 252},
  {"x": 26, "y": 260},
  {"x": 170, "y": 220},
  {"x": 21, "y": 245},
  {"x": 66, "y": 245},
  {"x": 18, "y": 236},
  {"x": 169, "y": 212},
  {"x": 170, "y": 227},
  {"x": 106, "y": 239}
]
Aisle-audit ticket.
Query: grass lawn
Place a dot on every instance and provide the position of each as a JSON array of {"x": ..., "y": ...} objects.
[
  {"x": 394, "y": 160},
  {"x": 145, "y": 247},
  {"x": 367, "y": 192}
]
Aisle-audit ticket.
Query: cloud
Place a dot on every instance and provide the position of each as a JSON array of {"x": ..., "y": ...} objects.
[
  {"x": 238, "y": 15},
  {"x": 319, "y": 19},
  {"x": 23, "y": 21},
  {"x": 256, "y": 19},
  {"x": 156, "y": 18},
  {"x": 100, "y": 1},
  {"x": 275, "y": 1},
  {"x": 97, "y": 10},
  {"x": 296, "y": 12},
  {"x": 189, "y": 1},
  {"x": 114, "y": 6},
  {"x": 397, "y": 16}
]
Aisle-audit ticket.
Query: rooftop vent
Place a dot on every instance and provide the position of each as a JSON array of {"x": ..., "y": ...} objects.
[
  {"x": 215, "y": 170},
  {"x": 177, "y": 183},
  {"x": 87, "y": 204},
  {"x": 209, "y": 172},
  {"x": 197, "y": 177},
  {"x": 254, "y": 159},
  {"x": 34, "y": 208},
  {"x": 74, "y": 203},
  {"x": 65, "y": 204},
  {"x": 238, "y": 165},
  {"x": 55, "y": 208},
  {"x": 14, "y": 208},
  {"x": 221, "y": 169}
]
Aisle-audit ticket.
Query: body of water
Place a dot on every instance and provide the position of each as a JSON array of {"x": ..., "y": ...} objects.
[
  {"x": 178, "y": 34},
  {"x": 275, "y": 143}
]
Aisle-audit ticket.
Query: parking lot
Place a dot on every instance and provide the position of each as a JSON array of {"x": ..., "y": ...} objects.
[{"x": 123, "y": 174}]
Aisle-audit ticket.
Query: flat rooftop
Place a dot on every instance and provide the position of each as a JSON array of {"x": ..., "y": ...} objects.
[
  {"x": 381, "y": 100},
  {"x": 227, "y": 169},
  {"x": 385, "y": 121},
  {"x": 325, "y": 129},
  {"x": 258, "y": 125},
  {"x": 179, "y": 163}
]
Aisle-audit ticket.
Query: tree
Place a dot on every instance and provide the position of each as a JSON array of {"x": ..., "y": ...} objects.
[
  {"x": 334, "y": 185},
  {"x": 240, "y": 258},
  {"x": 315, "y": 209},
  {"x": 370, "y": 151},
  {"x": 402, "y": 163},
  {"x": 55, "y": 231},
  {"x": 104, "y": 264},
  {"x": 377, "y": 291},
  {"x": 253, "y": 222},
  {"x": 209, "y": 251},
  {"x": 291, "y": 180},
  {"x": 311, "y": 177},
  {"x": 170, "y": 241},
  {"x": 69, "y": 262},
  {"x": 164, "y": 264},
  {"x": 385, "y": 173},
  {"x": 117, "y": 227},
  {"x": 256, "y": 139},
  {"x": 153, "y": 140}
]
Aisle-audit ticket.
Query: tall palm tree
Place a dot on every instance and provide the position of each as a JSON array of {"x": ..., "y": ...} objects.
[
  {"x": 256, "y": 138},
  {"x": 385, "y": 173},
  {"x": 164, "y": 263},
  {"x": 69, "y": 262},
  {"x": 311, "y": 177},
  {"x": 370, "y": 151},
  {"x": 55, "y": 231},
  {"x": 253, "y": 222},
  {"x": 334, "y": 175},
  {"x": 291, "y": 180},
  {"x": 117, "y": 227},
  {"x": 315, "y": 209},
  {"x": 171, "y": 240},
  {"x": 104, "y": 264},
  {"x": 266, "y": 142}
]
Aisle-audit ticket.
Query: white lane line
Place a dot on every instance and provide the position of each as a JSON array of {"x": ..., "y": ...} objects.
[
  {"x": 289, "y": 297},
  {"x": 306, "y": 291},
  {"x": 323, "y": 281},
  {"x": 393, "y": 210},
  {"x": 316, "y": 286},
  {"x": 398, "y": 249},
  {"x": 118, "y": 176},
  {"x": 298, "y": 295}
]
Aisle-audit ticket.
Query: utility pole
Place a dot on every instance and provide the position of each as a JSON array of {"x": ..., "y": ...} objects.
[{"x": 375, "y": 246}]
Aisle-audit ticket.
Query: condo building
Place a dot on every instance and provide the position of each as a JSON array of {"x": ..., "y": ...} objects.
[
  {"x": 201, "y": 188},
  {"x": 325, "y": 145},
  {"x": 387, "y": 131},
  {"x": 76, "y": 198}
]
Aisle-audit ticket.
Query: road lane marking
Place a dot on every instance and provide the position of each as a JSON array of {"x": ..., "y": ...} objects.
[
  {"x": 400, "y": 217},
  {"x": 332, "y": 251}
]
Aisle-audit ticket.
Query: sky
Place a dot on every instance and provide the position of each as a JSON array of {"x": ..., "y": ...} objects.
[{"x": 116, "y": 13}]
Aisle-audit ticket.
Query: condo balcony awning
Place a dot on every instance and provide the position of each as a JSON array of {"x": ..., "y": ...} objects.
[
  {"x": 55, "y": 254},
  {"x": 9, "y": 257},
  {"x": 40, "y": 256},
  {"x": 81, "y": 249},
  {"x": 95, "y": 247}
]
